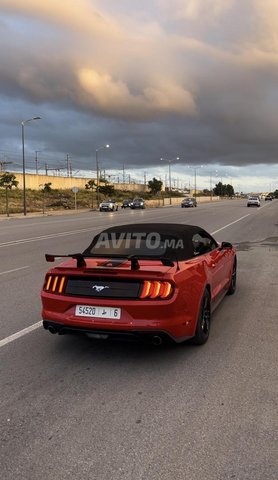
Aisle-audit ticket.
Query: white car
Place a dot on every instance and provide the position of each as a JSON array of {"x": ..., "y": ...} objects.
[
  {"x": 253, "y": 201},
  {"x": 108, "y": 206}
]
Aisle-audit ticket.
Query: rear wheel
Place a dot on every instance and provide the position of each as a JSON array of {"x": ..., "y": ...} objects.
[
  {"x": 203, "y": 323},
  {"x": 232, "y": 286}
]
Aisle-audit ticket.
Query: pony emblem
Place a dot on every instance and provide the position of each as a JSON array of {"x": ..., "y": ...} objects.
[{"x": 98, "y": 288}]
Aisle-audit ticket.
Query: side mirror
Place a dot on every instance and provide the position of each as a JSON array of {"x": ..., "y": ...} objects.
[{"x": 226, "y": 245}]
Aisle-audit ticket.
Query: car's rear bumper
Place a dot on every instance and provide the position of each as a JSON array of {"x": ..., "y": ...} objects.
[
  {"x": 155, "y": 337},
  {"x": 174, "y": 317}
]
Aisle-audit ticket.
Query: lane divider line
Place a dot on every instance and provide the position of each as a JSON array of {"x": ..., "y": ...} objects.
[
  {"x": 17, "y": 335},
  {"x": 14, "y": 270},
  {"x": 45, "y": 237},
  {"x": 229, "y": 224}
]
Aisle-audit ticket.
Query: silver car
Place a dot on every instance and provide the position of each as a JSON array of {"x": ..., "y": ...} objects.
[
  {"x": 253, "y": 201},
  {"x": 108, "y": 206}
]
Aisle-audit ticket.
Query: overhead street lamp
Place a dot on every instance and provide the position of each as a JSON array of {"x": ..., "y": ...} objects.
[
  {"x": 97, "y": 169},
  {"x": 170, "y": 161},
  {"x": 23, "y": 160}
]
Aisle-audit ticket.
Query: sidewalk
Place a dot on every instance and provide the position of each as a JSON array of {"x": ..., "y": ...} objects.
[{"x": 48, "y": 213}]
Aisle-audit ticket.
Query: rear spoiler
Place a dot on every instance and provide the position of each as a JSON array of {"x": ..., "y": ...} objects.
[{"x": 80, "y": 259}]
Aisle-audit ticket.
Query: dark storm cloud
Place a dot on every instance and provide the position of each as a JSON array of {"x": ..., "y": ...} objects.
[{"x": 201, "y": 85}]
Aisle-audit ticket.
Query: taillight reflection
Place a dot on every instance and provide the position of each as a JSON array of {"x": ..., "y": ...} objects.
[
  {"x": 156, "y": 289},
  {"x": 54, "y": 283}
]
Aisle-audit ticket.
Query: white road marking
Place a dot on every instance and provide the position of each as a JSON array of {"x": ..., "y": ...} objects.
[
  {"x": 45, "y": 237},
  {"x": 229, "y": 224},
  {"x": 17, "y": 335},
  {"x": 14, "y": 270}
]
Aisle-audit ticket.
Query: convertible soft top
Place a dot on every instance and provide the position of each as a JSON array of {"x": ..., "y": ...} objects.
[{"x": 153, "y": 240}]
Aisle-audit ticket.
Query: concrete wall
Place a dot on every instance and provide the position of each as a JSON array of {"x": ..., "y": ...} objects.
[{"x": 34, "y": 181}]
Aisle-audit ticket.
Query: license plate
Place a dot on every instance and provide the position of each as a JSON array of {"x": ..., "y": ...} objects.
[{"x": 97, "y": 312}]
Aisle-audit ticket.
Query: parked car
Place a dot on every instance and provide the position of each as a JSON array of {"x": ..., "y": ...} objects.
[
  {"x": 138, "y": 203},
  {"x": 108, "y": 206},
  {"x": 268, "y": 197},
  {"x": 126, "y": 203},
  {"x": 189, "y": 202},
  {"x": 154, "y": 282},
  {"x": 253, "y": 201}
]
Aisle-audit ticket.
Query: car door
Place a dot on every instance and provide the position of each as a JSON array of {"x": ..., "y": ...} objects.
[{"x": 215, "y": 261}]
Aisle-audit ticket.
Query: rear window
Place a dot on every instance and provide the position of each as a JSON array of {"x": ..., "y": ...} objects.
[{"x": 138, "y": 244}]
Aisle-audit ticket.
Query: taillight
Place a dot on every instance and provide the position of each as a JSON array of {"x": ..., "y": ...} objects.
[
  {"x": 156, "y": 289},
  {"x": 54, "y": 283}
]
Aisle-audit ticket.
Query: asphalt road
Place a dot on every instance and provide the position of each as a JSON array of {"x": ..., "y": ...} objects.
[{"x": 74, "y": 408}]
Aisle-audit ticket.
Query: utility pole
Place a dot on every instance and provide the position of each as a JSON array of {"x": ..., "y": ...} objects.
[
  {"x": 68, "y": 168},
  {"x": 123, "y": 173},
  {"x": 37, "y": 161},
  {"x": 3, "y": 165},
  {"x": 46, "y": 169}
]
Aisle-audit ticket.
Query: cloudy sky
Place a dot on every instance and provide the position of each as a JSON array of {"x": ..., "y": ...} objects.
[{"x": 194, "y": 79}]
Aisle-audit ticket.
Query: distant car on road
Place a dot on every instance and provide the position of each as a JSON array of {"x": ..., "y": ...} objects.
[
  {"x": 108, "y": 206},
  {"x": 138, "y": 203},
  {"x": 189, "y": 203},
  {"x": 268, "y": 197},
  {"x": 126, "y": 203},
  {"x": 253, "y": 201}
]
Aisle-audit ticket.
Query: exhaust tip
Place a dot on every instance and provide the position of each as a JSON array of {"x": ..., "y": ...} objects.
[
  {"x": 52, "y": 330},
  {"x": 156, "y": 340}
]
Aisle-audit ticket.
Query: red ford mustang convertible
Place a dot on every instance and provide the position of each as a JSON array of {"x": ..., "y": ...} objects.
[{"x": 156, "y": 282}]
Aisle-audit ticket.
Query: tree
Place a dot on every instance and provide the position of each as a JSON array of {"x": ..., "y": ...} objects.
[
  {"x": 106, "y": 190},
  {"x": 46, "y": 188},
  {"x": 8, "y": 181},
  {"x": 91, "y": 185},
  {"x": 222, "y": 190},
  {"x": 155, "y": 186},
  {"x": 229, "y": 191},
  {"x": 218, "y": 189}
]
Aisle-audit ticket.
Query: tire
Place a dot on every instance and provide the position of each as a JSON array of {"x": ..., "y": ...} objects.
[
  {"x": 232, "y": 287},
  {"x": 203, "y": 323}
]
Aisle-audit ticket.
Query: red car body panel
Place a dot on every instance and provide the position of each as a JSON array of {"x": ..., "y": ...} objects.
[{"x": 175, "y": 316}]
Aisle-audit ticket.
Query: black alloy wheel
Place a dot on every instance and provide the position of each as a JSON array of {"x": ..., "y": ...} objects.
[
  {"x": 232, "y": 286},
  {"x": 204, "y": 320}
]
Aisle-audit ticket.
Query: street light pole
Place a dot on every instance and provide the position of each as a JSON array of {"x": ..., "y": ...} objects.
[
  {"x": 97, "y": 169},
  {"x": 195, "y": 178},
  {"x": 37, "y": 161},
  {"x": 170, "y": 160},
  {"x": 23, "y": 161}
]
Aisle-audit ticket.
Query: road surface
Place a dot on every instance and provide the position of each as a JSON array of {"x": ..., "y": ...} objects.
[{"x": 75, "y": 408}]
